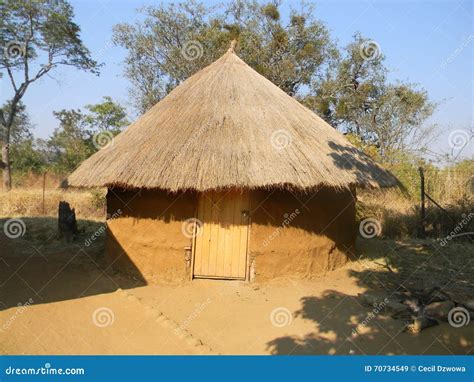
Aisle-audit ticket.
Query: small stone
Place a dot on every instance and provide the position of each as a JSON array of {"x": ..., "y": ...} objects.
[
  {"x": 438, "y": 310},
  {"x": 458, "y": 296},
  {"x": 469, "y": 305},
  {"x": 191, "y": 341},
  {"x": 420, "y": 323},
  {"x": 413, "y": 304}
]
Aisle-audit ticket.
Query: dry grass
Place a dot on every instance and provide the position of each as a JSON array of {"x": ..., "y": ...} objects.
[
  {"x": 29, "y": 203},
  {"x": 228, "y": 126},
  {"x": 400, "y": 216}
]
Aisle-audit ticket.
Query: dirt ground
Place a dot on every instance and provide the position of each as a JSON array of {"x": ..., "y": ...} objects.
[{"x": 58, "y": 298}]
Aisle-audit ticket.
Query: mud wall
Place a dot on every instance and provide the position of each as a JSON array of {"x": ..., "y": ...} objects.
[
  {"x": 302, "y": 235},
  {"x": 144, "y": 234}
]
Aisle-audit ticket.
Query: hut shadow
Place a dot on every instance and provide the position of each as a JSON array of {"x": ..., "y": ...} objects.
[
  {"x": 39, "y": 267},
  {"x": 349, "y": 158},
  {"x": 344, "y": 324}
]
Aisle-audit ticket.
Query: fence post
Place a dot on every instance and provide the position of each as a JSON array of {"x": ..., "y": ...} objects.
[
  {"x": 422, "y": 200},
  {"x": 44, "y": 186}
]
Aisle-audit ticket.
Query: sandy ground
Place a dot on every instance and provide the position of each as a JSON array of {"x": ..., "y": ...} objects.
[{"x": 71, "y": 305}]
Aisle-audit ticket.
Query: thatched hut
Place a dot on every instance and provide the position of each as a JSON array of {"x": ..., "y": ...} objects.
[{"x": 229, "y": 177}]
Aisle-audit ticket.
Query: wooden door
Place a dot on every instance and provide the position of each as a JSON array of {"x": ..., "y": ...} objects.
[{"x": 220, "y": 246}]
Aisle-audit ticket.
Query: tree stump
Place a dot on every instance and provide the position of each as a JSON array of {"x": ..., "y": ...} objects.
[{"x": 67, "y": 224}]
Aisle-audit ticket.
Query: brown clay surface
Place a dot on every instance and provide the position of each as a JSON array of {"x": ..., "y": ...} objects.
[
  {"x": 147, "y": 237},
  {"x": 301, "y": 235},
  {"x": 291, "y": 234}
]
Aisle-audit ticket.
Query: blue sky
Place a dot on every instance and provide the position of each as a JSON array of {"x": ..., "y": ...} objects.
[{"x": 430, "y": 43}]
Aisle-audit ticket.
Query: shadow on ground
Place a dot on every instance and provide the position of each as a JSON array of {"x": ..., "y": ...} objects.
[
  {"x": 344, "y": 325},
  {"x": 36, "y": 266}
]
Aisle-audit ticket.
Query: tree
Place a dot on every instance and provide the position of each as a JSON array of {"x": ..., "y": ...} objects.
[
  {"x": 79, "y": 133},
  {"x": 175, "y": 41},
  {"x": 106, "y": 116},
  {"x": 24, "y": 156},
  {"x": 37, "y": 37},
  {"x": 70, "y": 143},
  {"x": 357, "y": 98},
  {"x": 21, "y": 125}
]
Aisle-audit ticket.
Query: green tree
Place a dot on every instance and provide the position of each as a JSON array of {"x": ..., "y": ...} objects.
[
  {"x": 36, "y": 37},
  {"x": 174, "y": 41},
  {"x": 21, "y": 125},
  {"x": 27, "y": 157},
  {"x": 106, "y": 116},
  {"x": 357, "y": 98},
  {"x": 24, "y": 156},
  {"x": 70, "y": 142},
  {"x": 79, "y": 133}
]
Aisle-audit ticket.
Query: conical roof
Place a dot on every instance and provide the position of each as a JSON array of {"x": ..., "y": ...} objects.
[{"x": 228, "y": 126}]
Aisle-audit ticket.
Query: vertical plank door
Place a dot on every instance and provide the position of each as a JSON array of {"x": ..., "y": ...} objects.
[{"x": 220, "y": 247}]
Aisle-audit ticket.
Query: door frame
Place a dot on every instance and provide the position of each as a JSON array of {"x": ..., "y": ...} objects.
[{"x": 247, "y": 254}]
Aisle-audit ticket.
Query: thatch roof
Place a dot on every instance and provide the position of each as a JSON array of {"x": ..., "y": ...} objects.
[{"x": 228, "y": 126}]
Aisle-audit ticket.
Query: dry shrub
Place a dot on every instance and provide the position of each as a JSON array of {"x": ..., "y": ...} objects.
[
  {"x": 399, "y": 215},
  {"x": 29, "y": 202}
]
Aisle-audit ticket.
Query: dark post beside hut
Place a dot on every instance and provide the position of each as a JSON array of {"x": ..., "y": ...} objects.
[{"x": 229, "y": 177}]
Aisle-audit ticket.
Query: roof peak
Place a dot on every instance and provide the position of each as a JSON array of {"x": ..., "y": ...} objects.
[{"x": 233, "y": 43}]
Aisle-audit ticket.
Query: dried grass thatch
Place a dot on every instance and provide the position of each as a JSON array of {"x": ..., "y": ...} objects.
[{"x": 228, "y": 126}]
